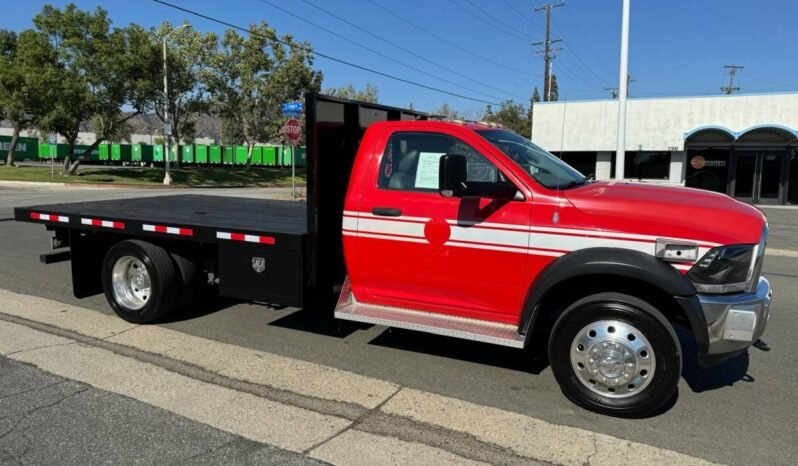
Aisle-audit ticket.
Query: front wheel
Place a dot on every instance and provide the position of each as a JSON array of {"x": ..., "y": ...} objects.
[{"x": 615, "y": 354}]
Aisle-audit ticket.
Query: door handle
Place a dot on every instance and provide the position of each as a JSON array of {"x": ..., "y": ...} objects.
[{"x": 386, "y": 212}]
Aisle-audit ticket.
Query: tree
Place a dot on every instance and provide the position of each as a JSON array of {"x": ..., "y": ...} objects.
[
  {"x": 511, "y": 115},
  {"x": 369, "y": 94},
  {"x": 26, "y": 75},
  {"x": 535, "y": 95},
  {"x": 189, "y": 54},
  {"x": 449, "y": 113},
  {"x": 252, "y": 76},
  {"x": 554, "y": 91},
  {"x": 103, "y": 70}
]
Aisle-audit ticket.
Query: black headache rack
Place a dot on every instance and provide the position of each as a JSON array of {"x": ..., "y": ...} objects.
[
  {"x": 299, "y": 242},
  {"x": 334, "y": 129}
]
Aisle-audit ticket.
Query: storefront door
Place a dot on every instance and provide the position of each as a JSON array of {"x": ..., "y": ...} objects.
[{"x": 758, "y": 176}]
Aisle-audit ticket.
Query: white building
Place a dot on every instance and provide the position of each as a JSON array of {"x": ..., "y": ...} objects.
[{"x": 742, "y": 145}]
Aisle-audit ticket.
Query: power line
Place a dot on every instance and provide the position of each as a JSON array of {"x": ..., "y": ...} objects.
[
  {"x": 448, "y": 42},
  {"x": 731, "y": 88},
  {"x": 587, "y": 42},
  {"x": 494, "y": 26},
  {"x": 377, "y": 52},
  {"x": 408, "y": 51},
  {"x": 323, "y": 55},
  {"x": 521, "y": 15},
  {"x": 521, "y": 34}
]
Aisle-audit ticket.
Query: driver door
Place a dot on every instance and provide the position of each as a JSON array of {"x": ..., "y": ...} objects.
[{"x": 420, "y": 250}]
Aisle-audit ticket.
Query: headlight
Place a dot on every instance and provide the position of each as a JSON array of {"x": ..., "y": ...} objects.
[{"x": 725, "y": 269}]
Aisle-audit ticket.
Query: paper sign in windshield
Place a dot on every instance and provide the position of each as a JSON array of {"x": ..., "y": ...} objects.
[{"x": 427, "y": 171}]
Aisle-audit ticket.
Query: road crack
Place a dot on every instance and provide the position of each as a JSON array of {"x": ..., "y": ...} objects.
[{"x": 358, "y": 420}]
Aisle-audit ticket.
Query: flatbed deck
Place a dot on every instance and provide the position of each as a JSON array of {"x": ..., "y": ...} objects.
[{"x": 199, "y": 217}]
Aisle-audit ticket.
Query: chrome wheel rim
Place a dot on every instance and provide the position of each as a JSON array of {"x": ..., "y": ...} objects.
[
  {"x": 612, "y": 358},
  {"x": 131, "y": 283}
]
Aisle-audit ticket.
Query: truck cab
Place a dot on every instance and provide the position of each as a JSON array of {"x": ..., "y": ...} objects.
[{"x": 472, "y": 231}]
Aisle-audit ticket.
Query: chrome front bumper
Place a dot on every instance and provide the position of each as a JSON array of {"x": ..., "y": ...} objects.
[{"x": 736, "y": 321}]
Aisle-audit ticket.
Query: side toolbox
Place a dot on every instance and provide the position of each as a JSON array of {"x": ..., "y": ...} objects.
[{"x": 255, "y": 273}]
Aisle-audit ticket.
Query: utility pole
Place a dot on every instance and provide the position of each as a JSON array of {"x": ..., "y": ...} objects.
[
  {"x": 732, "y": 71},
  {"x": 614, "y": 90},
  {"x": 548, "y": 51},
  {"x": 623, "y": 89}
]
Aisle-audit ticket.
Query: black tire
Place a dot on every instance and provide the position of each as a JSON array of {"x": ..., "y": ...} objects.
[
  {"x": 638, "y": 314},
  {"x": 165, "y": 283}
]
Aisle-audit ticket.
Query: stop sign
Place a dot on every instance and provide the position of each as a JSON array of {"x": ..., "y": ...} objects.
[{"x": 292, "y": 129}]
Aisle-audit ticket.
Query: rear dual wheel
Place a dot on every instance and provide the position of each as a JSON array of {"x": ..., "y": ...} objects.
[
  {"x": 143, "y": 283},
  {"x": 615, "y": 354}
]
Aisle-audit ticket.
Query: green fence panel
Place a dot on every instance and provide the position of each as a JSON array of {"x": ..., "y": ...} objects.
[
  {"x": 301, "y": 159},
  {"x": 121, "y": 153},
  {"x": 215, "y": 154},
  {"x": 157, "y": 153},
  {"x": 104, "y": 151},
  {"x": 135, "y": 154},
  {"x": 287, "y": 155},
  {"x": 78, "y": 150},
  {"x": 257, "y": 155},
  {"x": 228, "y": 155},
  {"x": 26, "y": 149},
  {"x": 141, "y": 153},
  {"x": 269, "y": 156},
  {"x": 201, "y": 154},
  {"x": 187, "y": 153},
  {"x": 241, "y": 155},
  {"x": 45, "y": 151}
]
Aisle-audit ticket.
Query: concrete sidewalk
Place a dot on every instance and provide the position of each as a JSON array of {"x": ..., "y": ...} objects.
[{"x": 321, "y": 412}]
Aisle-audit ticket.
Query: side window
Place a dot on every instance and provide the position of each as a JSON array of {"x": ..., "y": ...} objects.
[{"x": 411, "y": 161}]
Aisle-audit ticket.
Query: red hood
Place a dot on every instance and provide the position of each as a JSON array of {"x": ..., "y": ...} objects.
[{"x": 668, "y": 211}]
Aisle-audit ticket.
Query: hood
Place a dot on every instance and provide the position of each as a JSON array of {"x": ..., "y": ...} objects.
[{"x": 674, "y": 212}]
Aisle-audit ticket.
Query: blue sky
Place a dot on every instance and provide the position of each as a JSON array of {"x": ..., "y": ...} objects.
[{"x": 677, "y": 47}]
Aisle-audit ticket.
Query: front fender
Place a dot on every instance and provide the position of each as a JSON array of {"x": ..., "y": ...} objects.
[{"x": 618, "y": 262}]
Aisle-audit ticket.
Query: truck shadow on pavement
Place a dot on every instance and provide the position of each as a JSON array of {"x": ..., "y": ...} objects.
[{"x": 702, "y": 379}]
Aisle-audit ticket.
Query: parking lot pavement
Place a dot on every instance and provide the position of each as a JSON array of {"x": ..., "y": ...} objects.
[
  {"x": 741, "y": 412},
  {"x": 46, "y": 419},
  {"x": 783, "y": 222}
]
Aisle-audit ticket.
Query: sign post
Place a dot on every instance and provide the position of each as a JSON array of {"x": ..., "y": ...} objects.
[
  {"x": 52, "y": 139},
  {"x": 293, "y": 131}
]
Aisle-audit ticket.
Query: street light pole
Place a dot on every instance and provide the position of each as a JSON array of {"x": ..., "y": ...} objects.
[
  {"x": 620, "y": 151},
  {"x": 167, "y": 135}
]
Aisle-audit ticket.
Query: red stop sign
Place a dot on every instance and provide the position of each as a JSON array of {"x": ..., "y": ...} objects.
[{"x": 292, "y": 129}]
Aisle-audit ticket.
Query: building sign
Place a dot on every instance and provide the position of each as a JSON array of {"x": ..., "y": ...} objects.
[{"x": 698, "y": 162}]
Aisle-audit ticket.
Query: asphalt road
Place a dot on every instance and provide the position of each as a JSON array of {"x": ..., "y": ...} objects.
[
  {"x": 45, "y": 419},
  {"x": 741, "y": 412}
]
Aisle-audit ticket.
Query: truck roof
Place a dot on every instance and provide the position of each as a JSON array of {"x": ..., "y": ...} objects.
[{"x": 472, "y": 125}]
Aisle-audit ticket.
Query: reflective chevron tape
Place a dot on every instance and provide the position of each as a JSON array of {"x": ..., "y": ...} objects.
[
  {"x": 49, "y": 217},
  {"x": 245, "y": 238},
  {"x": 102, "y": 223},
  {"x": 168, "y": 230}
]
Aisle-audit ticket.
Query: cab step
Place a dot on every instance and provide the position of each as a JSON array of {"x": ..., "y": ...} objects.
[{"x": 349, "y": 308}]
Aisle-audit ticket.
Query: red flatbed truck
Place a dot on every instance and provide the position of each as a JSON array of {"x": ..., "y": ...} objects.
[{"x": 461, "y": 229}]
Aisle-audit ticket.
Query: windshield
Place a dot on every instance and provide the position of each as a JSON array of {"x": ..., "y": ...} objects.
[{"x": 544, "y": 167}]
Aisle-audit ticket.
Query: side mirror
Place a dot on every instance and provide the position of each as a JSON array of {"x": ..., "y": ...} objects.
[{"x": 452, "y": 175}]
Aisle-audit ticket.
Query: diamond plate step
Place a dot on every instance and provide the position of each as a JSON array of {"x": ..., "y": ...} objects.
[{"x": 441, "y": 324}]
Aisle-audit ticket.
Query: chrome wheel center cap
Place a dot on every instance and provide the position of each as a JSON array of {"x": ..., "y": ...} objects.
[{"x": 614, "y": 363}]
